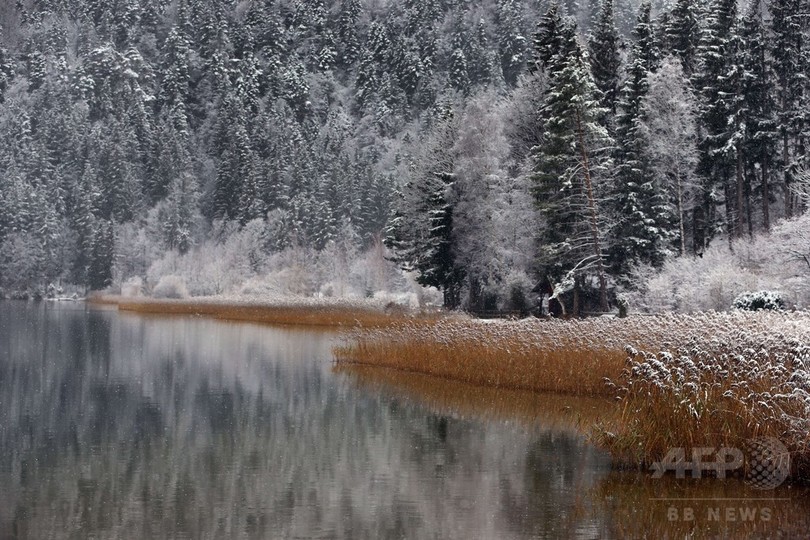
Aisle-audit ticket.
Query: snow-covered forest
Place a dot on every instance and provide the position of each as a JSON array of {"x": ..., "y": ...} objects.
[{"x": 499, "y": 150}]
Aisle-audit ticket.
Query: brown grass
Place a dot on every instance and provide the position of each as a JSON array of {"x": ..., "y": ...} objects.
[
  {"x": 541, "y": 356},
  {"x": 315, "y": 315},
  {"x": 724, "y": 380},
  {"x": 715, "y": 379}
]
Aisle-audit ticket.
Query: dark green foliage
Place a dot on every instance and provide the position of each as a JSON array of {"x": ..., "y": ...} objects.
[
  {"x": 570, "y": 168},
  {"x": 643, "y": 227},
  {"x": 603, "y": 45},
  {"x": 683, "y": 33},
  {"x": 755, "y": 301}
]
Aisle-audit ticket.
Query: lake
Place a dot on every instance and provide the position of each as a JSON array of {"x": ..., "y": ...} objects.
[{"x": 125, "y": 426}]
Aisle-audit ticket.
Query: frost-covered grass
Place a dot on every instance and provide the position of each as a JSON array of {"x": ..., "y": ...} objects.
[
  {"x": 717, "y": 380},
  {"x": 713, "y": 379},
  {"x": 286, "y": 311}
]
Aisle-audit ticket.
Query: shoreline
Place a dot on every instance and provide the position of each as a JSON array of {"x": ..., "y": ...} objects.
[
  {"x": 673, "y": 381},
  {"x": 338, "y": 314}
]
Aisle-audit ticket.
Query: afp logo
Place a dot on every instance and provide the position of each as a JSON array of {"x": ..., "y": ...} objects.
[{"x": 764, "y": 460}]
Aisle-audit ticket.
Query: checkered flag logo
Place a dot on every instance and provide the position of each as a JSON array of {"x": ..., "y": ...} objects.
[{"x": 767, "y": 463}]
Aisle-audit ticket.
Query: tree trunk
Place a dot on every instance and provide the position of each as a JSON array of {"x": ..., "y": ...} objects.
[
  {"x": 785, "y": 162},
  {"x": 730, "y": 218},
  {"x": 740, "y": 193},
  {"x": 594, "y": 223},
  {"x": 766, "y": 214},
  {"x": 679, "y": 203}
]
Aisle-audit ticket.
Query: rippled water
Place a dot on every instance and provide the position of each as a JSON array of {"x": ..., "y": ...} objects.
[{"x": 122, "y": 426}]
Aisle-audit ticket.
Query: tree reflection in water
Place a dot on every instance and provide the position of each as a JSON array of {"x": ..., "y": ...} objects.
[{"x": 118, "y": 426}]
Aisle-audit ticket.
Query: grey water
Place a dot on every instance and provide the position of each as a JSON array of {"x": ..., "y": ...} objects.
[{"x": 124, "y": 426}]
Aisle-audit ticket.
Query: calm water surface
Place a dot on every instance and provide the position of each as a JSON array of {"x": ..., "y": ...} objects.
[{"x": 122, "y": 426}]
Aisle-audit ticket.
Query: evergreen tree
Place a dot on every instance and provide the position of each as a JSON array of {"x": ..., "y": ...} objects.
[
  {"x": 459, "y": 78},
  {"x": 789, "y": 54},
  {"x": 568, "y": 169},
  {"x": 102, "y": 256},
  {"x": 551, "y": 44},
  {"x": 421, "y": 231},
  {"x": 758, "y": 90},
  {"x": 6, "y": 69},
  {"x": 373, "y": 61},
  {"x": 603, "y": 45},
  {"x": 347, "y": 33},
  {"x": 235, "y": 161},
  {"x": 718, "y": 83},
  {"x": 512, "y": 43},
  {"x": 683, "y": 33},
  {"x": 175, "y": 70},
  {"x": 642, "y": 232},
  {"x": 479, "y": 56},
  {"x": 178, "y": 214}
]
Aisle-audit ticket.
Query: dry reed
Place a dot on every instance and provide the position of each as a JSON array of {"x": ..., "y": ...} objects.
[
  {"x": 548, "y": 356},
  {"x": 715, "y": 379},
  {"x": 314, "y": 315}
]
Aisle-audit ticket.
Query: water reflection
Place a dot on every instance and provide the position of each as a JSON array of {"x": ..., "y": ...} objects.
[
  {"x": 119, "y": 426},
  {"x": 116, "y": 426}
]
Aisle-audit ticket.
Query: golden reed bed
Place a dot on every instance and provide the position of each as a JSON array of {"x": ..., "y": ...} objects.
[
  {"x": 314, "y": 315},
  {"x": 704, "y": 380}
]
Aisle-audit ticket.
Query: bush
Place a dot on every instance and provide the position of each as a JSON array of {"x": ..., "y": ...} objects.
[
  {"x": 170, "y": 286},
  {"x": 755, "y": 301}
]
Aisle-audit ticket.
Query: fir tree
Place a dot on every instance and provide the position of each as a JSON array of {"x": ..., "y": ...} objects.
[
  {"x": 789, "y": 60},
  {"x": 348, "y": 18},
  {"x": 421, "y": 231},
  {"x": 603, "y": 45},
  {"x": 761, "y": 135},
  {"x": 567, "y": 173},
  {"x": 683, "y": 33},
  {"x": 459, "y": 78},
  {"x": 717, "y": 82},
  {"x": 512, "y": 43},
  {"x": 642, "y": 231}
]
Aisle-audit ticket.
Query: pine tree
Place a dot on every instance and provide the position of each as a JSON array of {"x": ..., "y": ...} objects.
[
  {"x": 349, "y": 42},
  {"x": 642, "y": 232},
  {"x": 479, "y": 56},
  {"x": 102, "y": 256},
  {"x": 758, "y": 89},
  {"x": 6, "y": 69},
  {"x": 789, "y": 54},
  {"x": 459, "y": 78},
  {"x": 512, "y": 43},
  {"x": 718, "y": 83},
  {"x": 552, "y": 42},
  {"x": 175, "y": 68},
  {"x": 567, "y": 172},
  {"x": 235, "y": 160},
  {"x": 603, "y": 45},
  {"x": 178, "y": 214},
  {"x": 683, "y": 33},
  {"x": 373, "y": 60},
  {"x": 421, "y": 231}
]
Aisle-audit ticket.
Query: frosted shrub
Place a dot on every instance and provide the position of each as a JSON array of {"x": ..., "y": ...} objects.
[
  {"x": 714, "y": 280},
  {"x": 754, "y": 301},
  {"x": 170, "y": 287},
  {"x": 132, "y": 287}
]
